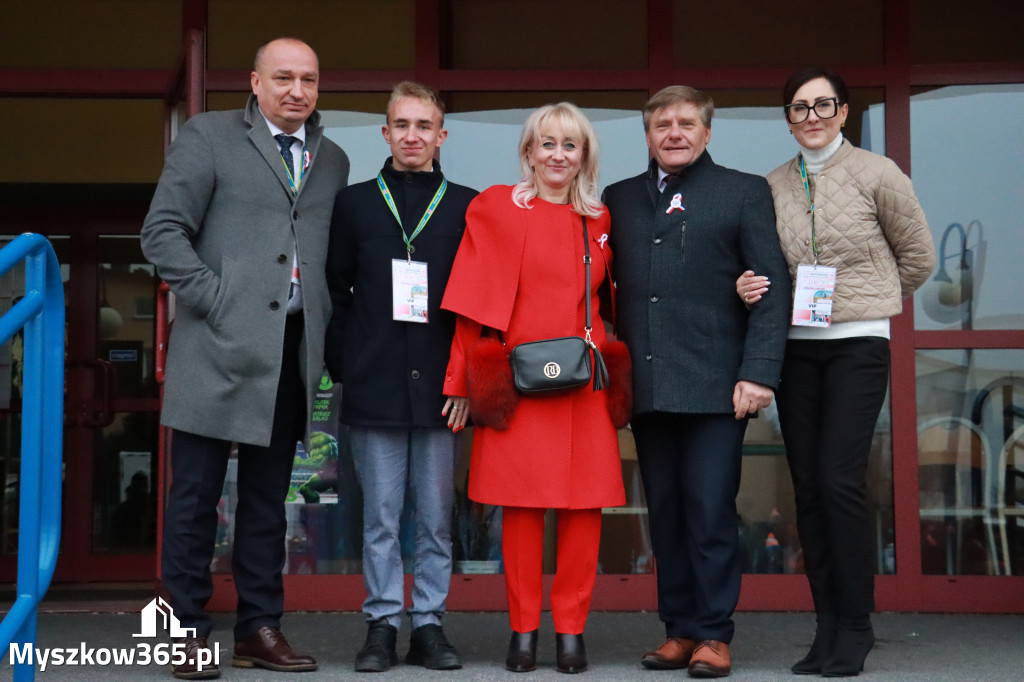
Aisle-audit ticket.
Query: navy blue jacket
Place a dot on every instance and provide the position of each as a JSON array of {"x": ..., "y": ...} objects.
[
  {"x": 689, "y": 334},
  {"x": 392, "y": 373}
]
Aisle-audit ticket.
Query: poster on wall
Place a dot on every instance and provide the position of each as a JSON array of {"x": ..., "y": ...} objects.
[{"x": 315, "y": 471}]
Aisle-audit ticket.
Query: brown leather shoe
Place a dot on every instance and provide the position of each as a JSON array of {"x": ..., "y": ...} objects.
[
  {"x": 267, "y": 648},
  {"x": 672, "y": 655},
  {"x": 710, "y": 659},
  {"x": 190, "y": 669}
]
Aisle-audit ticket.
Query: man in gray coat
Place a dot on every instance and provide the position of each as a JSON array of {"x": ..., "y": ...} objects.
[
  {"x": 702, "y": 362},
  {"x": 238, "y": 228}
]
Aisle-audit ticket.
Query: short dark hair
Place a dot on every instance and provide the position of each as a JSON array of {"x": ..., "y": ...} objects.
[{"x": 803, "y": 76}]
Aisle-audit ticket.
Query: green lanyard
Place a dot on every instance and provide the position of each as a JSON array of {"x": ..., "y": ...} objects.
[
  {"x": 383, "y": 186},
  {"x": 294, "y": 182},
  {"x": 807, "y": 189}
]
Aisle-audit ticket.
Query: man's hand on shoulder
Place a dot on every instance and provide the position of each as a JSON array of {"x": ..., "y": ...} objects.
[{"x": 748, "y": 397}]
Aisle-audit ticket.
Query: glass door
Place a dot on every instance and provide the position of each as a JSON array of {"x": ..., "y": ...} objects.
[{"x": 111, "y": 405}]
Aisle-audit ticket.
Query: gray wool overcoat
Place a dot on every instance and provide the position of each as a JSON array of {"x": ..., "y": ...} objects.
[{"x": 222, "y": 231}]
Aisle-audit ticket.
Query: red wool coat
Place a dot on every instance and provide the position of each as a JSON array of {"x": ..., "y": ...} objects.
[{"x": 521, "y": 271}]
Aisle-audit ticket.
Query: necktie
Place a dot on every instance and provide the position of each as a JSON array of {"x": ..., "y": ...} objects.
[{"x": 285, "y": 142}]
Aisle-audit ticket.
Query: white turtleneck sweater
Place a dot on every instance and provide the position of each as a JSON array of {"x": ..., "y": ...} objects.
[{"x": 815, "y": 160}]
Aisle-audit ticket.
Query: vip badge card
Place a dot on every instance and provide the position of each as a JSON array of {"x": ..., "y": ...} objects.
[
  {"x": 812, "y": 297},
  {"x": 408, "y": 291}
]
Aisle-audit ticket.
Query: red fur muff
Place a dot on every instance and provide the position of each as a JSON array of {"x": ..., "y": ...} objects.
[
  {"x": 492, "y": 391},
  {"x": 619, "y": 392}
]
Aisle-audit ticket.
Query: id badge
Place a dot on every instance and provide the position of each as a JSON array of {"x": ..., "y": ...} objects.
[
  {"x": 408, "y": 291},
  {"x": 812, "y": 296}
]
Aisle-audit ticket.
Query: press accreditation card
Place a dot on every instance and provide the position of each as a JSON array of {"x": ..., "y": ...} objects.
[
  {"x": 812, "y": 296},
  {"x": 408, "y": 291}
]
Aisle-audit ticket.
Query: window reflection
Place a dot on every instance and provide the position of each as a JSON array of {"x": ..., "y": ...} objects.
[
  {"x": 968, "y": 178},
  {"x": 126, "y": 314},
  {"x": 124, "y": 488},
  {"x": 970, "y": 461}
]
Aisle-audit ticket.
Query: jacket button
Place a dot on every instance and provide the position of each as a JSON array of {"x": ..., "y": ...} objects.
[
  {"x": 282, "y": 258},
  {"x": 648, "y": 357},
  {"x": 654, "y": 299},
  {"x": 274, "y": 305},
  {"x": 295, "y": 216},
  {"x": 657, "y": 240},
  {"x": 415, "y": 374}
]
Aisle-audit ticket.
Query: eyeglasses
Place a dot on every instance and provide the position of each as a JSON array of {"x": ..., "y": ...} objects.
[{"x": 823, "y": 108}]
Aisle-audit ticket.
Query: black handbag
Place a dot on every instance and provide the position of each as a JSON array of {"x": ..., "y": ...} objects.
[
  {"x": 551, "y": 364},
  {"x": 563, "y": 363}
]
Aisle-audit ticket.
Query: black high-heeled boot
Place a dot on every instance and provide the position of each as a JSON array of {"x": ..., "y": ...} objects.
[
  {"x": 570, "y": 653},
  {"x": 821, "y": 648},
  {"x": 522, "y": 652},
  {"x": 854, "y": 640}
]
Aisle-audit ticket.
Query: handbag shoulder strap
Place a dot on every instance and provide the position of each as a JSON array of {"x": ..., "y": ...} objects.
[
  {"x": 600, "y": 368},
  {"x": 586, "y": 262}
]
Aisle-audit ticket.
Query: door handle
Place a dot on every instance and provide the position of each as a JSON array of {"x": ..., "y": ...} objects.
[
  {"x": 105, "y": 415},
  {"x": 162, "y": 299}
]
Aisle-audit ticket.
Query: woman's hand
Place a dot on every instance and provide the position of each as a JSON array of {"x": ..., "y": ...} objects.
[
  {"x": 457, "y": 409},
  {"x": 750, "y": 287}
]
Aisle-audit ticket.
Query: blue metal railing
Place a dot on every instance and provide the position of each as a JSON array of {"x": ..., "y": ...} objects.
[{"x": 41, "y": 313}]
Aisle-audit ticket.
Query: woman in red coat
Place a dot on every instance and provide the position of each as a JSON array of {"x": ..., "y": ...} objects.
[{"x": 520, "y": 269}]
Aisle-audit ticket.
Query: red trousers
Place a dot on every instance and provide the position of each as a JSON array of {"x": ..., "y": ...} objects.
[{"x": 522, "y": 546}]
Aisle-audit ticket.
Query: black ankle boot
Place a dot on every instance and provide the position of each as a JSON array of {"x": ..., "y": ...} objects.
[
  {"x": 853, "y": 642},
  {"x": 821, "y": 648},
  {"x": 570, "y": 653},
  {"x": 522, "y": 652}
]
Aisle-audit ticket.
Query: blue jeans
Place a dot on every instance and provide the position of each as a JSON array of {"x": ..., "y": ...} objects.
[{"x": 387, "y": 460}]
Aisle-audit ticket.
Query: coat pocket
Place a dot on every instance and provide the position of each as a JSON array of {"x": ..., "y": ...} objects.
[{"x": 227, "y": 266}]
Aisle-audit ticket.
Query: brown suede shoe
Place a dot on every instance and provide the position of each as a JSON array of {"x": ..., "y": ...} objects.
[
  {"x": 267, "y": 648},
  {"x": 710, "y": 659},
  {"x": 190, "y": 670},
  {"x": 672, "y": 655}
]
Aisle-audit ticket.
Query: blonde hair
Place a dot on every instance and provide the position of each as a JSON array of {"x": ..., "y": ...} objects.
[
  {"x": 415, "y": 91},
  {"x": 583, "y": 194}
]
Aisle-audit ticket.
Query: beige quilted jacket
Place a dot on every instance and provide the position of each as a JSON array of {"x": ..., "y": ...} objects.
[{"x": 869, "y": 226}]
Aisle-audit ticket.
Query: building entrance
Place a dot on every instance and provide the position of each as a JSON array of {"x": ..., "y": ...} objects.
[{"x": 111, "y": 399}]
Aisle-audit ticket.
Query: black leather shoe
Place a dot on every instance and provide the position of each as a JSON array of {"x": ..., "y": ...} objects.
[
  {"x": 570, "y": 653},
  {"x": 853, "y": 642},
  {"x": 821, "y": 648},
  {"x": 378, "y": 653},
  {"x": 522, "y": 652},
  {"x": 430, "y": 648}
]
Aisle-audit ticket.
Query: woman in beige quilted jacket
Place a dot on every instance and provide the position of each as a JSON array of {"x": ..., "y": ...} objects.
[{"x": 857, "y": 244}]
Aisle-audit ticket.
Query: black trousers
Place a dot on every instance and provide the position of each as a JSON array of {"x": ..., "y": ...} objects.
[
  {"x": 198, "y": 466},
  {"x": 690, "y": 464},
  {"x": 829, "y": 399}
]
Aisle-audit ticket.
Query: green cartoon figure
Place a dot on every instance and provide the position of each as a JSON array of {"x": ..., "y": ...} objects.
[{"x": 322, "y": 459}]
